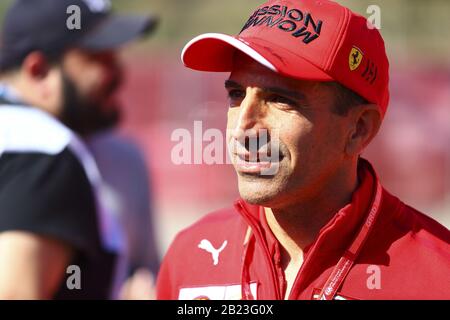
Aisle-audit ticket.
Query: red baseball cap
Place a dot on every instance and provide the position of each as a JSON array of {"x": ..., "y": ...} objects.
[{"x": 308, "y": 39}]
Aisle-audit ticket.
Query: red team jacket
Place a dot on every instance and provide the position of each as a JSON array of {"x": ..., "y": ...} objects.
[{"x": 376, "y": 247}]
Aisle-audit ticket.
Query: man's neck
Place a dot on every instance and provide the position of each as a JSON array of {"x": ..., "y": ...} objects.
[
  {"x": 13, "y": 88},
  {"x": 297, "y": 226},
  {"x": 19, "y": 91},
  {"x": 8, "y": 90}
]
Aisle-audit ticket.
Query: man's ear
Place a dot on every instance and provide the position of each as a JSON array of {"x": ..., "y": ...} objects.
[
  {"x": 35, "y": 65},
  {"x": 366, "y": 121},
  {"x": 40, "y": 83}
]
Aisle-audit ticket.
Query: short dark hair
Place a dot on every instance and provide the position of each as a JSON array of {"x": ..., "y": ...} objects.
[
  {"x": 13, "y": 64},
  {"x": 345, "y": 98}
]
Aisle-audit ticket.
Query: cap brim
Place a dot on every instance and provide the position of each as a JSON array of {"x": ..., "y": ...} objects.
[
  {"x": 117, "y": 30},
  {"x": 215, "y": 51}
]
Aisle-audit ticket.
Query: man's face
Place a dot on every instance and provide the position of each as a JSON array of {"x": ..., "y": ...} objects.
[
  {"x": 299, "y": 114},
  {"x": 90, "y": 81}
]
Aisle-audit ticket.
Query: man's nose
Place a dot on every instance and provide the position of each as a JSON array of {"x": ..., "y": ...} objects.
[{"x": 252, "y": 113}]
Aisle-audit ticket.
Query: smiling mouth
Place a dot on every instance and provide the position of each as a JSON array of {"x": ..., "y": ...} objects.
[{"x": 256, "y": 163}]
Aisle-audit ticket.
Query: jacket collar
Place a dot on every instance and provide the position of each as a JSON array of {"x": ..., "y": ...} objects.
[{"x": 334, "y": 237}]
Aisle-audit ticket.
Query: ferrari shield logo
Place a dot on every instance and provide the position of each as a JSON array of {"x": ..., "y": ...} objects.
[{"x": 355, "y": 58}]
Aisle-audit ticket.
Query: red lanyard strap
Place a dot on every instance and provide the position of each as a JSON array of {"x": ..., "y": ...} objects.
[
  {"x": 249, "y": 247},
  {"x": 346, "y": 262}
]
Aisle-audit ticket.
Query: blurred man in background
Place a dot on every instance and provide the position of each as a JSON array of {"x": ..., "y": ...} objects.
[{"x": 58, "y": 76}]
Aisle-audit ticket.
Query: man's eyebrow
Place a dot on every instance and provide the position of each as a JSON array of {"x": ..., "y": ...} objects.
[
  {"x": 285, "y": 92},
  {"x": 230, "y": 84},
  {"x": 297, "y": 95}
]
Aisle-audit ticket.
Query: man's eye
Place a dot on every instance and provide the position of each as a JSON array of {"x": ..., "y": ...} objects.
[
  {"x": 235, "y": 97},
  {"x": 236, "y": 94}
]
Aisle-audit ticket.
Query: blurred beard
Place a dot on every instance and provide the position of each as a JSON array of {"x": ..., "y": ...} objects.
[{"x": 85, "y": 117}]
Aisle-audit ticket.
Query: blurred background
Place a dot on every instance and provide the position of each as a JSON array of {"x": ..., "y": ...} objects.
[{"x": 411, "y": 153}]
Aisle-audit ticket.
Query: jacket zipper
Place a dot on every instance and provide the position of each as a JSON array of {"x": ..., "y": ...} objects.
[
  {"x": 267, "y": 257},
  {"x": 312, "y": 251}
]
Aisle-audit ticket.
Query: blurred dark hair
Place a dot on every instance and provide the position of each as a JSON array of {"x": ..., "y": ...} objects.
[
  {"x": 345, "y": 99},
  {"x": 11, "y": 63}
]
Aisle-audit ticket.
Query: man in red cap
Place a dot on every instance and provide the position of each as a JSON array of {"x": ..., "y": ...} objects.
[{"x": 309, "y": 83}]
